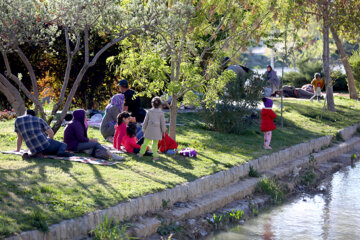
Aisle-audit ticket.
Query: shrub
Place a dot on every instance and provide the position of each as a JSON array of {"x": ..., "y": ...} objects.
[
  {"x": 7, "y": 115},
  {"x": 39, "y": 220},
  {"x": 307, "y": 69},
  {"x": 295, "y": 79},
  {"x": 340, "y": 81},
  {"x": 270, "y": 187},
  {"x": 253, "y": 172},
  {"x": 355, "y": 65},
  {"x": 308, "y": 178},
  {"x": 109, "y": 230},
  {"x": 229, "y": 217},
  {"x": 234, "y": 110}
]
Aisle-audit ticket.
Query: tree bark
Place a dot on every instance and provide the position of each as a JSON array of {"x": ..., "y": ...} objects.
[
  {"x": 81, "y": 74},
  {"x": 70, "y": 97},
  {"x": 12, "y": 95},
  {"x": 326, "y": 58},
  {"x": 344, "y": 59},
  {"x": 173, "y": 116}
]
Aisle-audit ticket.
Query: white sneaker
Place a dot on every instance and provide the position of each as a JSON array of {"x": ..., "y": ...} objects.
[{"x": 117, "y": 157}]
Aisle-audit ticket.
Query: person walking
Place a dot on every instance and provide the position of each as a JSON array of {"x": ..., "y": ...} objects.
[{"x": 317, "y": 84}]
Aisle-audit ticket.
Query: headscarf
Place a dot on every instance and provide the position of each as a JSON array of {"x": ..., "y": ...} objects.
[
  {"x": 80, "y": 116},
  {"x": 116, "y": 100}
]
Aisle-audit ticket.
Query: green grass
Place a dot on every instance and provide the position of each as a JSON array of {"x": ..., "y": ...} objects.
[{"x": 63, "y": 190}]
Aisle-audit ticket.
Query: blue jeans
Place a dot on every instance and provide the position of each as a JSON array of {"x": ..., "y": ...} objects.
[
  {"x": 55, "y": 148},
  {"x": 139, "y": 133},
  {"x": 90, "y": 145}
]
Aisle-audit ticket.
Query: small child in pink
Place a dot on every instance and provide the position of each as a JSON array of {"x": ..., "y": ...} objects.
[
  {"x": 129, "y": 141},
  {"x": 123, "y": 120},
  {"x": 267, "y": 121}
]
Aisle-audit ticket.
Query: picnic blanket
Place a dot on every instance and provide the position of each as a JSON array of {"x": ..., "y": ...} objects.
[{"x": 81, "y": 159}]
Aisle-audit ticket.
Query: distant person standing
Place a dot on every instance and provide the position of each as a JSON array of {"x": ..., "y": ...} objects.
[
  {"x": 38, "y": 137},
  {"x": 131, "y": 104},
  {"x": 317, "y": 84},
  {"x": 272, "y": 79},
  {"x": 267, "y": 121}
]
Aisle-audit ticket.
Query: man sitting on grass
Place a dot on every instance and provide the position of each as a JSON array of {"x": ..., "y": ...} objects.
[{"x": 38, "y": 137}]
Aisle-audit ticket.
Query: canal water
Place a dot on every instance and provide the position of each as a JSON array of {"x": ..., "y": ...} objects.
[{"x": 334, "y": 214}]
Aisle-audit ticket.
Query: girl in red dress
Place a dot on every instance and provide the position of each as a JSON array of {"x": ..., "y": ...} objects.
[
  {"x": 267, "y": 121},
  {"x": 123, "y": 120}
]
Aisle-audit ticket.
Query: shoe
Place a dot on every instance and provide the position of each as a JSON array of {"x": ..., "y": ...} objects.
[
  {"x": 116, "y": 157},
  {"x": 155, "y": 158},
  {"x": 65, "y": 154},
  {"x": 267, "y": 147},
  {"x": 140, "y": 155},
  {"x": 99, "y": 153}
]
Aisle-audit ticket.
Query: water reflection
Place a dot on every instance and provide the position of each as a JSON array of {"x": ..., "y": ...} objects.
[{"x": 334, "y": 215}]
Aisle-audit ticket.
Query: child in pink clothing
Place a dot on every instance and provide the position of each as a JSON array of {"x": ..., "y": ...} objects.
[
  {"x": 130, "y": 141},
  {"x": 123, "y": 120}
]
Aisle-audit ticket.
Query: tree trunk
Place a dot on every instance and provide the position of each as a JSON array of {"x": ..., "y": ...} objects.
[
  {"x": 173, "y": 116},
  {"x": 12, "y": 95},
  {"x": 344, "y": 59},
  {"x": 326, "y": 59},
  {"x": 70, "y": 97}
]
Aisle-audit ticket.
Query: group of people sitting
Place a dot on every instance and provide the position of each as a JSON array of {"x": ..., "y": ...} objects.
[{"x": 131, "y": 132}]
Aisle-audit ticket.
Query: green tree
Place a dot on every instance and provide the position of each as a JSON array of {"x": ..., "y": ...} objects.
[
  {"x": 40, "y": 22},
  {"x": 183, "y": 53}
]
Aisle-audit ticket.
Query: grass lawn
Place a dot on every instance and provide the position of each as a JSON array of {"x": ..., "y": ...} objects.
[{"x": 37, "y": 193}]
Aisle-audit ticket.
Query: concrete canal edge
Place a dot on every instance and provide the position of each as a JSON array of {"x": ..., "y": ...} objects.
[{"x": 203, "y": 192}]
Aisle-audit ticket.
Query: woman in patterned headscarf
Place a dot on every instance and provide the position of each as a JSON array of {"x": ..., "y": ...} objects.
[{"x": 111, "y": 111}]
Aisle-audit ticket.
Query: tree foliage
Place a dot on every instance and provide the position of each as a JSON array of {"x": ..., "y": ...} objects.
[{"x": 182, "y": 55}]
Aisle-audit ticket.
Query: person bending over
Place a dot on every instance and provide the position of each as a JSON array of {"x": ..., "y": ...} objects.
[{"x": 38, "y": 137}]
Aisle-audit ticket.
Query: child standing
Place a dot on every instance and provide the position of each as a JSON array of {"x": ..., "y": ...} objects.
[
  {"x": 154, "y": 127},
  {"x": 317, "y": 84},
  {"x": 267, "y": 121},
  {"x": 123, "y": 120}
]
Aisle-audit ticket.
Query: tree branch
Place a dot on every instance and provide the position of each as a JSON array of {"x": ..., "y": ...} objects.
[
  {"x": 86, "y": 42},
  {"x": 31, "y": 71}
]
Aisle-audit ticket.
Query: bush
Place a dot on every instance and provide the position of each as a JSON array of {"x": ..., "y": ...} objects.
[
  {"x": 295, "y": 79},
  {"x": 233, "y": 112},
  {"x": 7, "y": 115},
  {"x": 271, "y": 187},
  {"x": 340, "y": 81},
  {"x": 355, "y": 65},
  {"x": 307, "y": 69}
]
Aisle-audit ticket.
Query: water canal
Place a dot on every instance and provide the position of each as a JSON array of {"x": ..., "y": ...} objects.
[{"x": 332, "y": 214}]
